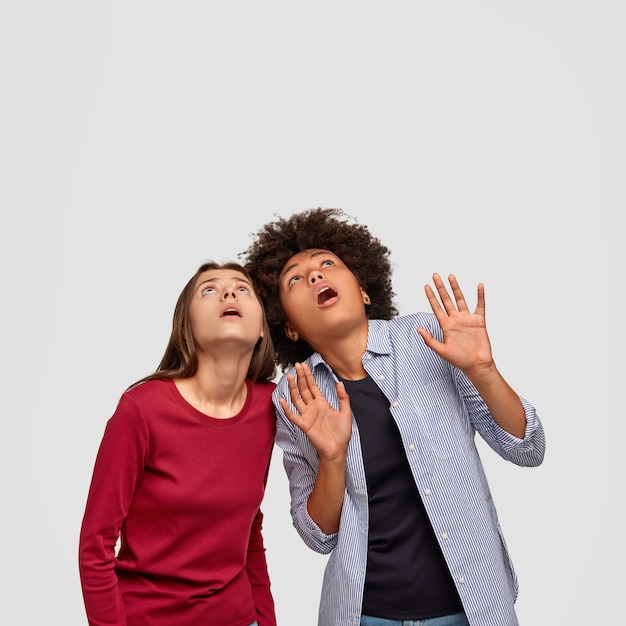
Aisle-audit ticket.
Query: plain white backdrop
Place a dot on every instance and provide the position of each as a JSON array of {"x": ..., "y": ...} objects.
[{"x": 138, "y": 139}]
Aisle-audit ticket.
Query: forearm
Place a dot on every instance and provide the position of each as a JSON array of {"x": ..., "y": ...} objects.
[
  {"x": 326, "y": 500},
  {"x": 501, "y": 400},
  {"x": 101, "y": 594},
  {"x": 256, "y": 567}
]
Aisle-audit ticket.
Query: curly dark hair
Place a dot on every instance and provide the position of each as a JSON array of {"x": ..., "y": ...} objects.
[{"x": 328, "y": 229}]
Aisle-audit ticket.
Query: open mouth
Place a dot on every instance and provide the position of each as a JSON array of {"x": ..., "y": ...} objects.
[
  {"x": 234, "y": 312},
  {"x": 325, "y": 294}
]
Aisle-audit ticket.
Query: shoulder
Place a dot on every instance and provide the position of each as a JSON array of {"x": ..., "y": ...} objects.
[
  {"x": 136, "y": 405},
  {"x": 323, "y": 374},
  {"x": 262, "y": 389},
  {"x": 420, "y": 319},
  {"x": 405, "y": 325},
  {"x": 282, "y": 385},
  {"x": 147, "y": 397},
  {"x": 147, "y": 391},
  {"x": 260, "y": 405}
]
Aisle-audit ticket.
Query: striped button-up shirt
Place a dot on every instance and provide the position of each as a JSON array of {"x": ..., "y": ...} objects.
[{"x": 437, "y": 411}]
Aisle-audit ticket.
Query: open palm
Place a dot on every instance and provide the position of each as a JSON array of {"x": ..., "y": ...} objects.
[
  {"x": 465, "y": 342},
  {"x": 328, "y": 430}
]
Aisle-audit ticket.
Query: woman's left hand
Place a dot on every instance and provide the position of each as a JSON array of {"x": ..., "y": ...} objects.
[{"x": 465, "y": 342}]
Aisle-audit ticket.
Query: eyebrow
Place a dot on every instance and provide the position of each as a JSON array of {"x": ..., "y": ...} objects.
[
  {"x": 238, "y": 279},
  {"x": 293, "y": 265}
]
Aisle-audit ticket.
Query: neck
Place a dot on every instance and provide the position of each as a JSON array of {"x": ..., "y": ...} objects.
[
  {"x": 217, "y": 389},
  {"x": 345, "y": 354}
]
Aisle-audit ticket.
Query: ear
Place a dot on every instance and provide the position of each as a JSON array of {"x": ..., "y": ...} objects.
[
  {"x": 291, "y": 332},
  {"x": 366, "y": 298}
]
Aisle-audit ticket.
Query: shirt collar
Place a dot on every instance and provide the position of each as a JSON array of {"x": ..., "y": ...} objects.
[{"x": 378, "y": 342}]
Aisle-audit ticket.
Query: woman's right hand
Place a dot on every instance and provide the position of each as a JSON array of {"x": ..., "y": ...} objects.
[{"x": 328, "y": 430}]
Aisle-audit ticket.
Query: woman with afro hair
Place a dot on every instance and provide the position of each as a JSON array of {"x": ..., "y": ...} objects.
[{"x": 377, "y": 414}]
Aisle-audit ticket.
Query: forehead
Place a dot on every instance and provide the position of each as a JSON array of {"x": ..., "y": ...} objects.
[
  {"x": 304, "y": 256},
  {"x": 225, "y": 276}
]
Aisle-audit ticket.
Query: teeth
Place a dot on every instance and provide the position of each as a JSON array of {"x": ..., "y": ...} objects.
[{"x": 323, "y": 289}]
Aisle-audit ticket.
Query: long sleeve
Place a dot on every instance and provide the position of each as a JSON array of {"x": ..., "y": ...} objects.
[
  {"x": 301, "y": 463},
  {"x": 118, "y": 468},
  {"x": 256, "y": 566},
  {"x": 437, "y": 412},
  {"x": 179, "y": 490}
]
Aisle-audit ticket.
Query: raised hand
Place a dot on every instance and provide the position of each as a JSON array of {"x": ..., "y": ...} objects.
[
  {"x": 328, "y": 430},
  {"x": 465, "y": 340}
]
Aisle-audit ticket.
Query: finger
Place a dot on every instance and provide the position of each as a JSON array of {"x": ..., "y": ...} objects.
[
  {"x": 294, "y": 393},
  {"x": 435, "y": 305},
  {"x": 446, "y": 300},
  {"x": 291, "y": 382},
  {"x": 480, "y": 302},
  {"x": 307, "y": 381},
  {"x": 429, "y": 340},
  {"x": 294, "y": 418},
  {"x": 303, "y": 382},
  {"x": 461, "y": 303},
  {"x": 310, "y": 380},
  {"x": 343, "y": 397}
]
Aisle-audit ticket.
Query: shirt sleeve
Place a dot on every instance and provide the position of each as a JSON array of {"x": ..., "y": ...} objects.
[
  {"x": 256, "y": 566},
  {"x": 301, "y": 463},
  {"x": 118, "y": 469},
  {"x": 526, "y": 452}
]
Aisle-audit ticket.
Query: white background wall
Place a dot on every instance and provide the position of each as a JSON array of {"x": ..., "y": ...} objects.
[{"x": 138, "y": 139}]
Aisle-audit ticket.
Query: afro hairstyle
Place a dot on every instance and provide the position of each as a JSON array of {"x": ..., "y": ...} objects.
[{"x": 328, "y": 229}]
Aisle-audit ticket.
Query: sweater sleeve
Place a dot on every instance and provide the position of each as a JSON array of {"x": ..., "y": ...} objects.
[
  {"x": 118, "y": 469},
  {"x": 256, "y": 566}
]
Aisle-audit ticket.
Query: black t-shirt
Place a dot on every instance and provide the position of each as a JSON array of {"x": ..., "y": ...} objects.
[{"x": 407, "y": 577}]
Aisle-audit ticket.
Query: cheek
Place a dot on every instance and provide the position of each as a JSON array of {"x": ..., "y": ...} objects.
[
  {"x": 200, "y": 317},
  {"x": 289, "y": 297},
  {"x": 260, "y": 321},
  {"x": 289, "y": 306},
  {"x": 283, "y": 300},
  {"x": 193, "y": 320}
]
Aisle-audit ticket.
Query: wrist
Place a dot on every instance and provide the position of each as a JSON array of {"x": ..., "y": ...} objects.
[
  {"x": 483, "y": 375},
  {"x": 334, "y": 460}
]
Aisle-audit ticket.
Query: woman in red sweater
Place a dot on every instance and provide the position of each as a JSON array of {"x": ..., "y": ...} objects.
[{"x": 181, "y": 471}]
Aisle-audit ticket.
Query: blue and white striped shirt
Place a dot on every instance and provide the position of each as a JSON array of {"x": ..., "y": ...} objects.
[{"x": 437, "y": 411}]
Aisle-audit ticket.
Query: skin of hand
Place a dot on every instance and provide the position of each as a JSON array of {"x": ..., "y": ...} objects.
[
  {"x": 466, "y": 345},
  {"x": 329, "y": 432},
  {"x": 465, "y": 341}
]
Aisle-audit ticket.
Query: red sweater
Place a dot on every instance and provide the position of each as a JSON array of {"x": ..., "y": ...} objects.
[{"x": 182, "y": 491}]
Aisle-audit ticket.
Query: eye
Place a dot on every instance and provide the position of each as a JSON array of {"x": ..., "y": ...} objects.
[
  {"x": 243, "y": 289},
  {"x": 328, "y": 263},
  {"x": 208, "y": 290},
  {"x": 292, "y": 281}
]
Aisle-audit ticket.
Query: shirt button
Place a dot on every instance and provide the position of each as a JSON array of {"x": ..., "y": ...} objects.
[
  {"x": 411, "y": 447},
  {"x": 368, "y": 357},
  {"x": 381, "y": 377},
  {"x": 394, "y": 404},
  {"x": 444, "y": 535},
  {"x": 426, "y": 492},
  {"x": 462, "y": 580}
]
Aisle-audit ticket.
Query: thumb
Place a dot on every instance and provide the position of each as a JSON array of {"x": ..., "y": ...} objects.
[{"x": 343, "y": 397}]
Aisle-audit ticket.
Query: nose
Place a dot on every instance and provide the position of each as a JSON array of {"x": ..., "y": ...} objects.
[
  {"x": 315, "y": 276},
  {"x": 229, "y": 292}
]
